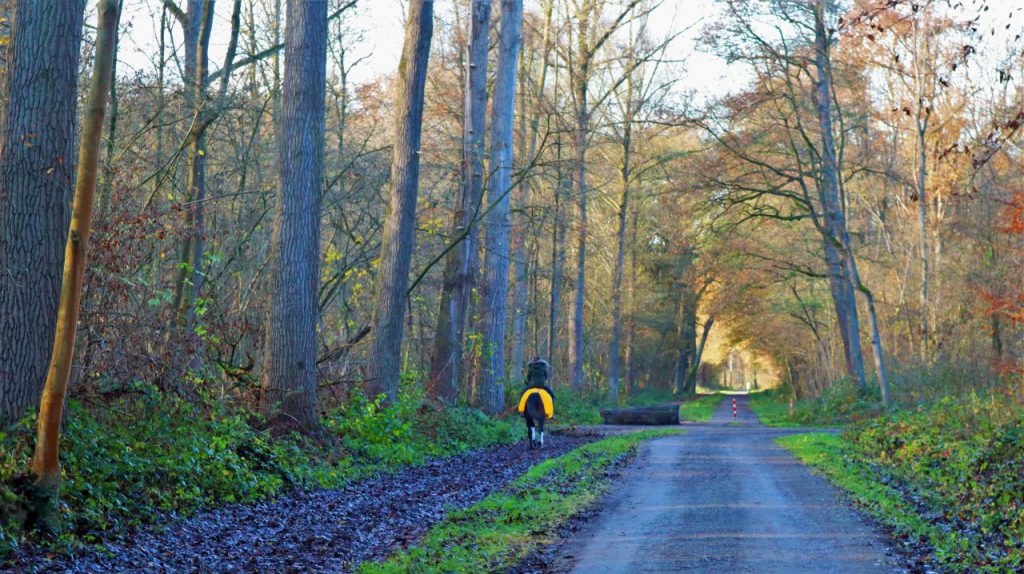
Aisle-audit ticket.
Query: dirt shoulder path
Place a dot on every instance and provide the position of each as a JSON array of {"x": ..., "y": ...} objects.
[
  {"x": 316, "y": 531},
  {"x": 724, "y": 498}
]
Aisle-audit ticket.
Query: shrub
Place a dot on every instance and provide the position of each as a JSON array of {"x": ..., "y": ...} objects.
[
  {"x": 139, "y": 459},
  {"x": 965, "y": 458}
]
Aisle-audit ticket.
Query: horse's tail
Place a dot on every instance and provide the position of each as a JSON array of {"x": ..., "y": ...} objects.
[{"x": 535, "y": 409}]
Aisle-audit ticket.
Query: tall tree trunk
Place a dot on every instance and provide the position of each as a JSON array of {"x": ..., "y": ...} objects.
[
  {"x": 557, "y": 257},
  {"x": 921, "y": 118},
  {"x": 620, "y": 236},
  {"x": 579, "y": 79},
  {"x": 495, "y": 285},
  {"x": 686, "y": 333},
  {"x": 289, "y": 365},
  {"x": 876, "y": 336},
  {"x": 835, "y": 222},
  {"x": 445, "y": 375},
  {"x": 922, "y": 223},
  {"x": 198, "y": 29},
  {"x": 102, "y": 204},
  {"x": 46, "y": 459},
  {"x": 37, "y": 171},
  {"x": 580, "y": 189},
  {"x": 384, "y": 365},
  {"x": 690, "y": 387},
  {"x": 522, "y": 267},
  {"x": 631, "y": 324}
]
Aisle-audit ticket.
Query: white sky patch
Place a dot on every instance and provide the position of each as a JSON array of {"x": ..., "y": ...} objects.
[{"x": 380, "y": 22}]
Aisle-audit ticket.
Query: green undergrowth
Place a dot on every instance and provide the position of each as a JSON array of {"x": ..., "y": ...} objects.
[
  {"x": 575, "y": 409},
  {"x": 836, "y": 458},
  {"x": 700, "y": 409},
  {"x": 951, "y": 474},
  {"x": 911, "y": 387},
  {"x": 135, "y": 461},
  {"x": 498, "y": 532},
  {"x": 838, "y": 405}
]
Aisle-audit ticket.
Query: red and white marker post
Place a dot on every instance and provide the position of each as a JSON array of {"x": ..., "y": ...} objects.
[{"x": 734, "y": 408}]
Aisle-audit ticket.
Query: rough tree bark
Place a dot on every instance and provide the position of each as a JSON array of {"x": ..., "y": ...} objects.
[
  {"x": 384, "y": 365},
  {"x": 494, "y": 292},
  {"x": 289, "y": 364},
  {"x": 522, "y": 267},
  {"x": 46, "y": 458},
  {"x": 445, "y": 377},
  {"x": 840, "y": 276},
  {"x": 37, "y": 172}
]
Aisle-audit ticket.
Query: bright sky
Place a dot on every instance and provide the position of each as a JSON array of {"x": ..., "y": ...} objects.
[{"x": 381, "y": 24}]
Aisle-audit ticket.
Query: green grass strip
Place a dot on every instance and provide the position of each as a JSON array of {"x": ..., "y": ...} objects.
[
  {"x": 701, "y": 409},
  {"x": 838, "y": 461},
  {"x": 772, "y": 410},
  {"x": 501, "y": 530}
]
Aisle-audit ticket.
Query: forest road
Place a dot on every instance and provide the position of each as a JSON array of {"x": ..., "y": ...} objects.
[{"x": 723, "y": 497}]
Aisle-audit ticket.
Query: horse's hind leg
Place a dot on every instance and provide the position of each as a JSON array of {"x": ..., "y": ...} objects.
[{"x": 541, "y": 433}]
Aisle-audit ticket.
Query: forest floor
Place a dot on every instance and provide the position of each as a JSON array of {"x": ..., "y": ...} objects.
[
  {"x": 723, "y": 497},
  {"x": 316, "y": 531}
]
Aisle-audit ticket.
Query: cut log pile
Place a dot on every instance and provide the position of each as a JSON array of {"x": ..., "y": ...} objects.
[{"x": 663, "y": 414}]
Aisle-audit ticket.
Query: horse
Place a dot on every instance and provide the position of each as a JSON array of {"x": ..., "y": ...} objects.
[{"x": 535, "y": 416}]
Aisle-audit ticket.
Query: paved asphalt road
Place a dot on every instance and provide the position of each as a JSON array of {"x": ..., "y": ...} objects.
[{"x": 724, "y": 498}]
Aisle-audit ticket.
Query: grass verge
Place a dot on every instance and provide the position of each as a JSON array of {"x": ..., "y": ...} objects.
[
  {"x": 840, "y": 406},
  {"x": 505, "y": 527},
  {"x": 700, "y": 409},
  {"x": 910, "y": 516}
]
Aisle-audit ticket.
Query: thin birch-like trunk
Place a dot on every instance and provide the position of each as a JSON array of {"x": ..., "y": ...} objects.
[{"x": 46, "y": 458}]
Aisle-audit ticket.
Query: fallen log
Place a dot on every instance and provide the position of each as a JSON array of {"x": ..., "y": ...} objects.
[{"x": 664, "y": 414}]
